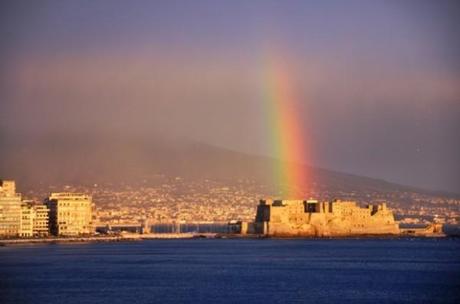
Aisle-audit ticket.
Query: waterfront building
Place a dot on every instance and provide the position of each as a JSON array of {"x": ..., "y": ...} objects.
[
  {"x": 34, "y": 219},
  {"x": 27, "y": 220},
  {"x": 70, "y": 214},
  {"x": 10, "y": 209},
  {"x": 40, "y": 220},
  {"x": 313, "y": 218}
]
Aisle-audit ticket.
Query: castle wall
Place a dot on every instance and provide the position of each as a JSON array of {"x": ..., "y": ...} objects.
[{"x": 311, "y": 218}]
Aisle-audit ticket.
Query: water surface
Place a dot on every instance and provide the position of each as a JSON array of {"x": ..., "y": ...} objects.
[{"x": 234, "y": 271}]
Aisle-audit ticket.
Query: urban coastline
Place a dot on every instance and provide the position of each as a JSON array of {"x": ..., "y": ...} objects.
[{"x": 65, "y": 217}]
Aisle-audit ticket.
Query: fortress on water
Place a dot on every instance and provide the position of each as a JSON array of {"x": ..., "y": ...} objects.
[{"x": 314, "y": 218}]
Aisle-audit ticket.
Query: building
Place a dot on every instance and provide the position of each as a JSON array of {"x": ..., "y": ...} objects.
[
  {"x": 240, "y": 227},
  {"x": 10, "y": 209},
  {"x": 70, "y": 214},
  {"x": 313, "y": 218},
  {"x": 40, "y": 220},
  {"x": 34, "y": 219},
  {"x": 27, "y": 221},
  {"x": 20, "y": 218}
]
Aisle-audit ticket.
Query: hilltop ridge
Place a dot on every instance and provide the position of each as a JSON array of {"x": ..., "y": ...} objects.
[{"x": 88, "y": 159}]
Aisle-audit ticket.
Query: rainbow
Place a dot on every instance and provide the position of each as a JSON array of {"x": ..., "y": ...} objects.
[{"x": 287, "y": 141}]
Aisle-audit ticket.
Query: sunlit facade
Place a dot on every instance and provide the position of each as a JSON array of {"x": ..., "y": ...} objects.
[
  {"x": 70, "y": 214},
  {"x": 10, "y": 209},
  {"x": 40, "y": 220}
]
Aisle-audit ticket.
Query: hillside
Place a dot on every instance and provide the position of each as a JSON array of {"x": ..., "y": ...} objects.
[{"x": 86, "y": 160}]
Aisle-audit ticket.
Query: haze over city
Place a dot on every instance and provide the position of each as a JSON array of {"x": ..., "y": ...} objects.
[
  {"x": 375, "y": 84},
  {"x": 246, "y": 151}
]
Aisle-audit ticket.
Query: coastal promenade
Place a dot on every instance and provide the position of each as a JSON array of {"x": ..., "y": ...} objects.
[{"x": 117, "y": 238}]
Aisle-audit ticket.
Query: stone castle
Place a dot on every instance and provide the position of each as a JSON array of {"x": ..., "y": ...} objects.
[{"x": 313, "y": 218}]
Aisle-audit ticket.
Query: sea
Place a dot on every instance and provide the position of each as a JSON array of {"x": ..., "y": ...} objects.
[{"x": 386, "y": 270}]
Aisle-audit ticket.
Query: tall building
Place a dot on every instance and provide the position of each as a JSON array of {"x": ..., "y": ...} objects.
[
  {"x": 70, "y": 214},
  {"x": 34, "y": 219},
  {"x": 41, "y": 220},
  {"x": 27, "y": 221},
  {"x": 10, "y": 209}
]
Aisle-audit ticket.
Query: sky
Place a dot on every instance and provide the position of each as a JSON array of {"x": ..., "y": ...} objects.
[{"x": 376, "y": 83}]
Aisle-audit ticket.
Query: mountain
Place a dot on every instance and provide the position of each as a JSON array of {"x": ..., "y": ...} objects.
[{"x": 88, "y": 159}]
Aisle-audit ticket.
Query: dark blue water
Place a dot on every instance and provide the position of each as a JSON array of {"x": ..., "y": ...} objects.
[{"x": 234, "y": 271}]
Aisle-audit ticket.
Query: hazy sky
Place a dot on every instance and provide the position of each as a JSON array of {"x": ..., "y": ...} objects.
[{"x": 377, "y": 82}]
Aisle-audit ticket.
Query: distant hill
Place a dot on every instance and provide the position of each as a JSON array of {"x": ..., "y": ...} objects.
[{"x": 87, "y": 159}]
